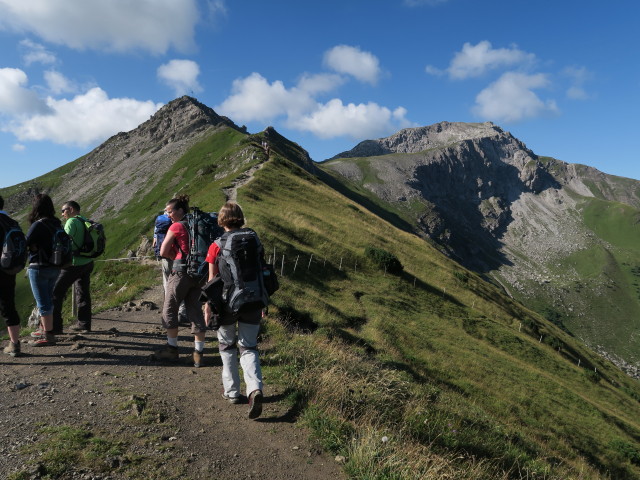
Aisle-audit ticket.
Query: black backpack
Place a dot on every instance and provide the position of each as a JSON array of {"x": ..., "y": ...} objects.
[
  {"x": 14, "y": 246},
  {"x": 61, "y": 247},
  {"x": 241, "y": 265},
  {"x": 203, "y": 230}
]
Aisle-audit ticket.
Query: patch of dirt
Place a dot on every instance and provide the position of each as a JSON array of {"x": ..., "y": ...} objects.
[{"x": 172, "y": 415}]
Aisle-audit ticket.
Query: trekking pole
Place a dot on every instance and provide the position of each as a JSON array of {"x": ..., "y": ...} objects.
[
  {"x": 310, "y": 259},
  {"x": 296, "y": 264},
  {"x": 282, "y": 267}
]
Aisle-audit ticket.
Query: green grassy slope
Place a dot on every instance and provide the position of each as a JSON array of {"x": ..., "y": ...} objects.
[
  {"x": 429, "y": 374},
  {"x": 436, "y": 358}
]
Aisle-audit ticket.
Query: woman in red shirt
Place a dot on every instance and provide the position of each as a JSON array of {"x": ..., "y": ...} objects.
[
  {"x": 245, "y": 339},
  {"x": 180, "y": 286}
]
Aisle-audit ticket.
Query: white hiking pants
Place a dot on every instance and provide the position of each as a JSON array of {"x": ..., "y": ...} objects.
[{"x": 247, "y": 342}]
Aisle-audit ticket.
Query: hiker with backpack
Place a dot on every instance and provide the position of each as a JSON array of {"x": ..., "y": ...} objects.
[
  {"x": 162, "y": 224},
  {"x": 78, "y": 274},
  {"x": 49, "y": 251},
  {"x": 238, "y": 258},
  {"x": 14, "y": 256},
  {"x": 182, "y": 285}
]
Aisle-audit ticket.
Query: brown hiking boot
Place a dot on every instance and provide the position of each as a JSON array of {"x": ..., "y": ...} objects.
[
  {"x": 12, "y": 349},
  {"x": 166, "y": 353}
]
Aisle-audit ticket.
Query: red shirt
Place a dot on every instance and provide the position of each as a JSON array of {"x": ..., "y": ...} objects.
[
  {"x": 182, "y": 239},
  {"x": 213, "y": 252}
]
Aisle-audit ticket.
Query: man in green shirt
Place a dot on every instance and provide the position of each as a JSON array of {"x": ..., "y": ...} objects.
[{"x": 78, "y": 274}]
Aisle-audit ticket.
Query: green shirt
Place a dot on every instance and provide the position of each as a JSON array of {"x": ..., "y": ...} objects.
[{"x": 75, "y": 229}]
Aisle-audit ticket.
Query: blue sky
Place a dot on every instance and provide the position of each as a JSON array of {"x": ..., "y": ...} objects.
[{"x": 563, "y": 77}]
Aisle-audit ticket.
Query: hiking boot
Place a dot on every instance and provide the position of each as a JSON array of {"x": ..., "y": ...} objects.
[
  {"x": 81, "y": 329},
  {"x": 197, "y": 358},
  {"x": 12, "y": 349},
  {"x": 255, "y": 404},
  {"x": 233, "y": 400},
  {"x": 47, "y": 340},
  {"x": 166, "y": 353}
]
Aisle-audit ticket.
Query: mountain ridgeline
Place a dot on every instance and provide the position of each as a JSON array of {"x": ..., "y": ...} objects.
[
  {"x": 476, "y": 360},
  {"x": 561, "y": 238}
]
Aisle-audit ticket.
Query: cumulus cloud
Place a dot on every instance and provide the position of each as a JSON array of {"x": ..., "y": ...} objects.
[
  {"x": 15, "y": 98},
  {"x": 181, "y": 75},
  {"x": 511, "y": 98},
  {"x": 255, "y": 99},
  {"x": 335, "y": 119},
  {"x": 475, "y": 60},
  {"x": 115, "y": 25},
  {"x": 18, "y": 147},
  {"x": 352, "y": 61},
  {"x": 85, "y": 119},
  {"x": 58, "y": 83},
  {"x": 36, "y": 53}
]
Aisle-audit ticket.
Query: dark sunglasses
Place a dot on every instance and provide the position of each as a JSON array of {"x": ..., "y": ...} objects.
[{"x": 65, "y": 209}]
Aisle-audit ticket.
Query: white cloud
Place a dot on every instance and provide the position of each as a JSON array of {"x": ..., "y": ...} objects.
[
  {"x": 114, "y": 25},
  {"x": 18, "y": 147},
  {"x": 352, "y": 61},
  {"x": 36, "y": 53},
  {"x": 335, "y": 119},
  {"x": 83, "y": 120},
  {"x": 511, "y": 98},
  {"x": 475, "y": 60},
  {"x": 58, "y": 83},
  {"x": 15, "y": 98},
  {"x": 181, "y": 75},
  {"x": 254, "y": 99}
]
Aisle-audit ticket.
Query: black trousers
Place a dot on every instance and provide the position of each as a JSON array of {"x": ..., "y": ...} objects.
[
  {"x": 80, "y": 277},
  {"x": 8, "y": 299}
]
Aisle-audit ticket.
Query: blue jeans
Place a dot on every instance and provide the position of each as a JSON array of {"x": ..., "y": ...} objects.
[{"x": 42, "y": 281}]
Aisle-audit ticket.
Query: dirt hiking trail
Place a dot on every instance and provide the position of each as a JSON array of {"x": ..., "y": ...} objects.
[{"x": 171, "y": 418}]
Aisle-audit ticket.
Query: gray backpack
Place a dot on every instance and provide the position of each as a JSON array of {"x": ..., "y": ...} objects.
[{"x": 241, "y": 264}]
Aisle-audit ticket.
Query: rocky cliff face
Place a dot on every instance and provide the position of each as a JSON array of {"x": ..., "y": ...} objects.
[{"x": 501, "y": 210}]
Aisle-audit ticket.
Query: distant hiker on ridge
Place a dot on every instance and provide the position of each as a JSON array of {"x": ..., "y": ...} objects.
[{"x": 8, "y": 287}]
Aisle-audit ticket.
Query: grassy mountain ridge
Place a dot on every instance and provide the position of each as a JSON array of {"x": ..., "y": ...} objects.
[
  {"x": 530, "y": 224},
  {"x": 461, "y": 380}
]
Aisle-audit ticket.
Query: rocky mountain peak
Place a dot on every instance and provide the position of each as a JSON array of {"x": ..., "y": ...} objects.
[{"x": 439, "y": 135}]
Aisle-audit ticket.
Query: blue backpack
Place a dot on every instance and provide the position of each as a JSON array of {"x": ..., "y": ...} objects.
[
  {"x": 162, "y": 224},
  {"x": 14, "y": 246}
]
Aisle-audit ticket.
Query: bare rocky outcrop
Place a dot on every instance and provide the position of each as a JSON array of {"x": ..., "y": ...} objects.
[{"x": 130, "y": 163}]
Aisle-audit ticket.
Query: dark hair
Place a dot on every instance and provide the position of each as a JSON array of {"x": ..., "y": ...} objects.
[
  {"x": 181, "y": 202},
  {"x": 231, "y": 215},
  {"x": 73, "y": 205},
  {"x": 1, "y": 202},
  {"x": 42, "y": 208}
]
